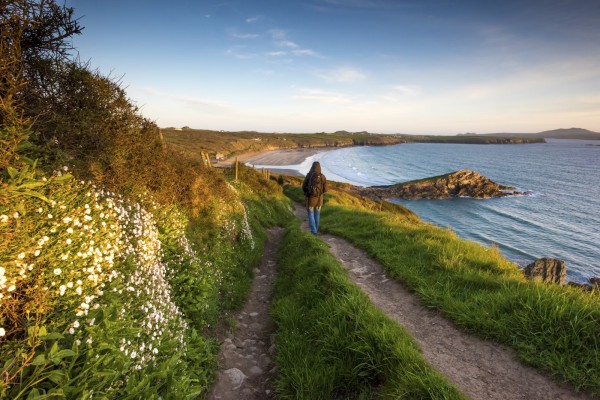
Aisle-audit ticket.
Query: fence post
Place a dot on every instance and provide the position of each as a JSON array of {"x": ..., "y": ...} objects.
[{"x": 236, "y": 168}]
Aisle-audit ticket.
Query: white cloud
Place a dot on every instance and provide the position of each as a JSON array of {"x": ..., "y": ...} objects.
[
  {"x": 206, "y": 105},
  {"x": 278, "y": 34},
  {"x": 253, "y": 20},
  {"x": 407, "y": 90},
  {"x": 342, "y": 75},
  {"x": 277, "y": 53},
  {"x": 240, "y": 53},
  {"x": 286, "y": 43},
  {"x": 245, "y": 35},
  {"x": 322, "y": 96},
  {"x": 304, "y": 52}
]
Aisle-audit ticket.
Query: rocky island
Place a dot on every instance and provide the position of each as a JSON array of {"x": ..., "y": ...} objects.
[{"x": 463, "y": 183}]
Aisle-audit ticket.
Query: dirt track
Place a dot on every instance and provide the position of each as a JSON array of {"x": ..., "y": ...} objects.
[{"x": 481, "y": 370}]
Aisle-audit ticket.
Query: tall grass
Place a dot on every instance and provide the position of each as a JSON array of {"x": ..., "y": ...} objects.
[
  {"x": 556, "y": 329},
  {"x": 332, "y": 342}
]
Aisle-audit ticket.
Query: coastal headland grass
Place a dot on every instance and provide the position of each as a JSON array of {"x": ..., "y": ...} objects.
[
  {"x": 332, "y": 342},
  {"x": 554, "y": 328}
]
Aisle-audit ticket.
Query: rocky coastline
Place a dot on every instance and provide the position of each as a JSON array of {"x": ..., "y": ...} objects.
[{"x": 463, "y": 183}]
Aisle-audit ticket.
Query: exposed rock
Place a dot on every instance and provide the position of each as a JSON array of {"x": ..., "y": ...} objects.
[
  {"x": 595, "y": 282},
  {"x": 236, "y": 377},
  {"x": 549, "y": 270},
  {"x": 463, "y": 183}
]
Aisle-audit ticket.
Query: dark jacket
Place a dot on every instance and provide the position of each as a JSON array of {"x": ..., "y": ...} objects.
[{"x": 314, "y": 201}]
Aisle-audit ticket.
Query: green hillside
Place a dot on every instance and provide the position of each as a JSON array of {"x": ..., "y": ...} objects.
[{"x": 122, "y": 257}]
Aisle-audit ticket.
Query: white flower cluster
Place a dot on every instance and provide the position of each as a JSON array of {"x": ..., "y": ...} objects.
[
  {"x": 146, "y": 289},
  {"x": 83, "y": 243},
  {"x": 246, "y": 232}
]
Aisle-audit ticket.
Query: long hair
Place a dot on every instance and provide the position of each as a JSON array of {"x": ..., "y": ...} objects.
[{"x": 316, "y": 167}]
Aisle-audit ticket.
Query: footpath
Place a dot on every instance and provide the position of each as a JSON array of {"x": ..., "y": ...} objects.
[
  {"x": 246, "y": 367},
  {"x": 481, "y": 370}
]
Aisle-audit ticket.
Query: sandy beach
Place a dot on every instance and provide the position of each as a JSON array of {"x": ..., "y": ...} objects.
[{"x": 275, "y": 158}]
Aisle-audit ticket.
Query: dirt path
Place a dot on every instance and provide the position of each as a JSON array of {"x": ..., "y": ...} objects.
[
  {"x": 246, "y": 368},
  {"x": 480, "y": 369}
]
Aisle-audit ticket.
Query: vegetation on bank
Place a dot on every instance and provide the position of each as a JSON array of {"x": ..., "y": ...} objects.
[
  {"x": 332, "y": 342},
  {"x": 118, "y": 254},
  {"x": 551, "y": 327}
]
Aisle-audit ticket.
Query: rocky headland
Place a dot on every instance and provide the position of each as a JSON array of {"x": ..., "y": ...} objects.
[{"x": 463, "y": 183}]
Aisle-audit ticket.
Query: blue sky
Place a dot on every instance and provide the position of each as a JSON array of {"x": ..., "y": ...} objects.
[{"x": 431, "y": 66}]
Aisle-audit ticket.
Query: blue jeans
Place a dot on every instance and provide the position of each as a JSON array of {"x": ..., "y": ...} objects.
[{"x": 314, "y": 213}]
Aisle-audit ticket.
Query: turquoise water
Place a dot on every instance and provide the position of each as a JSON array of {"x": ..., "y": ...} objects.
[{"x": 561, "y": 218}]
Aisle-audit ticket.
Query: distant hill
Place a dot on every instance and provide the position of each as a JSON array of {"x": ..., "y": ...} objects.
[{"x": 571, "y": 133}]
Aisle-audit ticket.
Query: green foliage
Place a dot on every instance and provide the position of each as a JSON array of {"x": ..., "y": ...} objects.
[
  {"x": 553, "y": 328},
  {"x": 332, "y": 342}
]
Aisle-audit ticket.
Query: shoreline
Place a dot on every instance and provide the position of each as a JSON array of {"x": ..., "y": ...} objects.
[{"x": 273, "y": 159}]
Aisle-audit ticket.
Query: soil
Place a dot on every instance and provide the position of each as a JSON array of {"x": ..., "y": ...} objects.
[
  {"x": 481, "y": 370},
  {"x": 245, "y": 358}
]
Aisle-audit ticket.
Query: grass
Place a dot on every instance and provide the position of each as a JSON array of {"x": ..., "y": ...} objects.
[
  {"x": 556, "y": 329},
  {"x": 332, "y": 342}
]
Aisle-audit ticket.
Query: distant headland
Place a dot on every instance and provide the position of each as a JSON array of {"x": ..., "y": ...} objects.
[{"x": 570, "y": 133}]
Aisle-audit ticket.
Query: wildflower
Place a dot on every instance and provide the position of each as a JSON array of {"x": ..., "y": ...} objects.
[
  {"x": 57, "y": 271},
  {"x": 16, "y": 215},
  {"x": 21, "y": 256},
  {"x": 68, "y": 241},
  {"x": 71, "y": 331},
  {"x": 50, "y": 216},
  {"x": 65, "y": 168},
  {"x": 37, "y": 253},
  {"x": 40, "y": 210},
  {"x": 76, "y": 324},
  {"x": 11, "y": 288},
  {"x": 2, "y": 332},
  {"x": 64, "y": 257},
  {"x": 4, "y": 218}
]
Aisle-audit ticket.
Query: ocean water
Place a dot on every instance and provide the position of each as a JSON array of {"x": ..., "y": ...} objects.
[{"x": 561, "y": 217}]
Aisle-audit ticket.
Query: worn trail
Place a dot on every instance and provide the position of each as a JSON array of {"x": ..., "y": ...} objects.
[
  {"x": 479, "y": 369},
  {"x": 246, "y": 368}
]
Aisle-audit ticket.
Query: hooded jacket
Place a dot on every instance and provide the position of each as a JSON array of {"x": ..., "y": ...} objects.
[{"x": 314, "y": 201}]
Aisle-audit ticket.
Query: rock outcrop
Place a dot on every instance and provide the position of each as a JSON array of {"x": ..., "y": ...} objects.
[
  {"x": 463, "y": 183},
  {"x": 548, "y": 270}
]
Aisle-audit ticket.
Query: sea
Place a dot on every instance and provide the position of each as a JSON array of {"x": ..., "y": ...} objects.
[{"x": 558, "y": 218}]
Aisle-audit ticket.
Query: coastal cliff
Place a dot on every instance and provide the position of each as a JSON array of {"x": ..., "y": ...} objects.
[{"x": 463, "y": 183}]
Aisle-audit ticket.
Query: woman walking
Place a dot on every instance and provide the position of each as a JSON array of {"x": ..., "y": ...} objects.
[{"x": 314, "y": 186}]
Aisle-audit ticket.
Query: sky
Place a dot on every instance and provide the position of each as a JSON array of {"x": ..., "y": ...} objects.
[{"x": 383, "y": 66}]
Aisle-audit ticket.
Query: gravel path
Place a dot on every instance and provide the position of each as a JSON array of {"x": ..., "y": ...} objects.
[{"x": 480, "y": 369}]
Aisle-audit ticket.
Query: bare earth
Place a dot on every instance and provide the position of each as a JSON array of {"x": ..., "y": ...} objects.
[
  {"x": 481, "y": 370},
  {"x": 246, "y": 368}
]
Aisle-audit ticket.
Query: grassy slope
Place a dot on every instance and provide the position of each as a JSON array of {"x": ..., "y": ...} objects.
[
  {"x": 332, "y": 342},
  {"x": 554, "y": 328}
]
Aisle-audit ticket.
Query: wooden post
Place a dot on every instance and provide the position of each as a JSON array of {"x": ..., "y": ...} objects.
[
  {"x": 236, "y": 168},
  {"x": 162, "y": 139}
]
